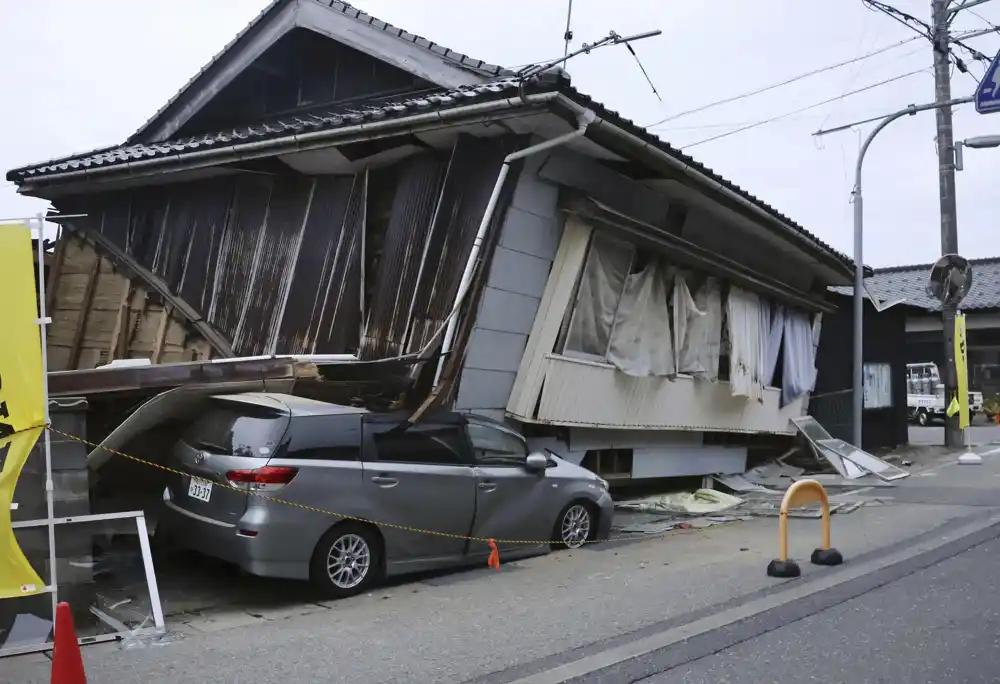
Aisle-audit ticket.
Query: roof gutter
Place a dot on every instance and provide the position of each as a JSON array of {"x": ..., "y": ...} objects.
[
  {"x": 301, "y": 142},
  {"x": 640, "y": 145}
]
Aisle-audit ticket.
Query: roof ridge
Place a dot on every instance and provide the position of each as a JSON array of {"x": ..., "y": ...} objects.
[
  {"x": 918, "y": 267},
  {"x": 457, "y": 59}
]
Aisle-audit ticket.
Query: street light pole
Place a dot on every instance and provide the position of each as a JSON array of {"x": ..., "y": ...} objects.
[{"x": 859, "y": 264}]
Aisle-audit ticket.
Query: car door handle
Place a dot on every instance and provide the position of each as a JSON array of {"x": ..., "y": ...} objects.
[
  {"x": 385, "y": 481},
  {"x": 487, "y": 486}
]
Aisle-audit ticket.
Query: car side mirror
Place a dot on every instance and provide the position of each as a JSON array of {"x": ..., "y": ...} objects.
[{"x": 536, "y": 463}]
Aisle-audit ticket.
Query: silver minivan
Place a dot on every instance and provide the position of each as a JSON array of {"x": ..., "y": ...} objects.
[{"x": 284, "y": 486}]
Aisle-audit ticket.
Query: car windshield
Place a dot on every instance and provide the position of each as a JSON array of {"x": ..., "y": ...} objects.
[{"x": 231, "y": 427}]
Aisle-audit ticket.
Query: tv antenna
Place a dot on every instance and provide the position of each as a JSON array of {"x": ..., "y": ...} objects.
[{"x": 612, "y": 38}]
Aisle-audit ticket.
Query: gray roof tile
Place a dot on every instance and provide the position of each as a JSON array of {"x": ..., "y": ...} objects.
[
  {"x": 384, "y": 108},
  {"x": 909, "y": 282}
]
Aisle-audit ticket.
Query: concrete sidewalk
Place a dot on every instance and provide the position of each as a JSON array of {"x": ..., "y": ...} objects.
[{"x": 464, "y": 626}]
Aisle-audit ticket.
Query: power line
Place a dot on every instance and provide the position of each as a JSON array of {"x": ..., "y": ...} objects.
[
  {"x": 804, "y": 109},
  {"x": 779, "y": 84}
]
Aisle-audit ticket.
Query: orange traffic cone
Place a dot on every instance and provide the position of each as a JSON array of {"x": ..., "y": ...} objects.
[{"x": 67, "y": 661}]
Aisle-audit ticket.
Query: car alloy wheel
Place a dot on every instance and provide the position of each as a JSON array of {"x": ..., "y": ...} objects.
[
  {"x": 922, "y": 418},
  {"x": 574, "y": 528},
  {"x": 348, "y": 561}
]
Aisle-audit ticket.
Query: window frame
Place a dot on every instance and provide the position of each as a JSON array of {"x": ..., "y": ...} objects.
[
  {"x": 372, "y": 428},
  {"x": 570, "y": 314},
  {"x": 871, "y": 400},
  {"x": 315, "y": 429},
  {"x": 500, "y": 430}
]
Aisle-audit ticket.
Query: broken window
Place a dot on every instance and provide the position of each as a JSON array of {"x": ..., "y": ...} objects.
[
  {"x": 600, "y": 290},
  {"x": 621, "y": 311}
]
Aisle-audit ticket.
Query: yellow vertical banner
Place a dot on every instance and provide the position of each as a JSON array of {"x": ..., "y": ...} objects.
[
  {"x": 22, "y": 408},
  {"x": 962, "y": 371}
]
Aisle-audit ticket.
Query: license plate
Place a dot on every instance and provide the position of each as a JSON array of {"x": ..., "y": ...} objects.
[{"x": 200, "y": 490}]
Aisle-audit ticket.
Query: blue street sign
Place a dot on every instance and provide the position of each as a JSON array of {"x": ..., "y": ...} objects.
[{"x": 988, "y": 92}]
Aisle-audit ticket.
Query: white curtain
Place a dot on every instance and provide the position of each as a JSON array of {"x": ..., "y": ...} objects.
[
  {"x": 745, "y": 355},
  {"x": 773, "y": 337},
  {"x": 601, "y": 284},
  {"x": 640, "y": 339},
  {"x": 799, "y": 368},
  {"x": 698, "y": 328}
]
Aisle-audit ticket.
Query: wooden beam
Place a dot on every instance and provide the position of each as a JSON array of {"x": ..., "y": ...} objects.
[
  {"x": 120, "y": 322},
  {"x": 133, "y": 326},
  {"x": 85, "y": 304},
  {"x": 161, "y": 333},
  {"x": 55, "y": 270}
]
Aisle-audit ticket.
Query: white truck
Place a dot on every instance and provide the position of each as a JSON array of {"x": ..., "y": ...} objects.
[{"x": 925, "y": 399}]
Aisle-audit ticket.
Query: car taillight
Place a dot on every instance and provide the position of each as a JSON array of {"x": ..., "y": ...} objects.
[{"x": 265, "y": 475}]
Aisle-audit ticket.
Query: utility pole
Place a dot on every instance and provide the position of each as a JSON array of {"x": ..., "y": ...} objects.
[{"x": 940, "y": 39}]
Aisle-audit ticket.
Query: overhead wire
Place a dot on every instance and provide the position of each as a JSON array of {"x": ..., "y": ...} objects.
[
  {"x": 782, "y": 83},
  {"x": 772, "y": 119}
]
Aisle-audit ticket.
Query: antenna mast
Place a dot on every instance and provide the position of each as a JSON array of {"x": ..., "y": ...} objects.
[{"x": 568, "y": 35}]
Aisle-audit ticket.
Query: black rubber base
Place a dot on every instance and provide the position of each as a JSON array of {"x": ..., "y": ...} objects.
[
  {"x": 784, "y": 569},
  {"x": 826, "y": 557}
]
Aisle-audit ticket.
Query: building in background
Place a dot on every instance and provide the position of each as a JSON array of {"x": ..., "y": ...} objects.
[
  {"x": 884, "y": 417},
  {"x": 321, "y": 187},
  {"x": 924, "y": 342}
]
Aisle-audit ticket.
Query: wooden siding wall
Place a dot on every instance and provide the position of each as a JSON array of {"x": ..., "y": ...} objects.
[{"x": 99, "y": 314}]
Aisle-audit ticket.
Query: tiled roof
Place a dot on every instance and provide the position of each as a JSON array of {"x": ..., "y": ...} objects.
[
  {"x": 908, "y": 283},
  {"x": 377, "y": 110},
  {"x": 459, "y": 59}
]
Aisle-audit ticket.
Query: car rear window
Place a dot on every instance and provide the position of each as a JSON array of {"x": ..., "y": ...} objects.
[{"x": 230, "y": 427}]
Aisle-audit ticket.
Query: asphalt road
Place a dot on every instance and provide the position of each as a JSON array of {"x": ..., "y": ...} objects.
[
  {"x": 980, "y": 433},
  {"x": 940, "y": 624}
]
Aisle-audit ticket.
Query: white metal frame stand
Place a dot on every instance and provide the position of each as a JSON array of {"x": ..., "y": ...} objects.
[{"x": 51, "y": 521}]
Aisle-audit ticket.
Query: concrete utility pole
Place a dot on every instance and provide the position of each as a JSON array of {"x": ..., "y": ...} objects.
[{"x": 940, "y": 39}]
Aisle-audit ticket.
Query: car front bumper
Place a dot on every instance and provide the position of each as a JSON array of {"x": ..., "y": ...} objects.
[{"x": 606, "y": 505}]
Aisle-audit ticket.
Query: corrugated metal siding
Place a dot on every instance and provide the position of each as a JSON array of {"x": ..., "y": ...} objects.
[
  {"x": 323, "y": 313},
  {"x": 472, "y": 173},
  {"x": 274, "y": 263},
  {"x": 402, "y": 248}
]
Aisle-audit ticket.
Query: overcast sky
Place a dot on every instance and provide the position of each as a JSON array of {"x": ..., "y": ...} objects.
[{"x": 81, "y": 75}]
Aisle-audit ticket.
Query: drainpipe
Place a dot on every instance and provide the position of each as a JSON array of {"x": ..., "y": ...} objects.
[{"x": 584, "y": 119}]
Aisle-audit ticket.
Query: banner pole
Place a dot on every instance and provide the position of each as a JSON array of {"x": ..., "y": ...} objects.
[{"x": 43, "y": 321}]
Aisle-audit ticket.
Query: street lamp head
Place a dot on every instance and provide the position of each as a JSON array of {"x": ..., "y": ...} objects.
[{"x": 982, "y": 142}]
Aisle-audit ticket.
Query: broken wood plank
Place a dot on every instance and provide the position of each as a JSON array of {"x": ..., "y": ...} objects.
[
  {"x": 161, "y": 333},
  {"x": 114, "y": 348},
  {"x": 55, "y": 270}
]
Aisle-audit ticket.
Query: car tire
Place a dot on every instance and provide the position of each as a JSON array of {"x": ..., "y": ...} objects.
[
  {"x": 348, "y": 560},
  {"x": 575, "y": 526},
  {"x": 923, "y": 418}
]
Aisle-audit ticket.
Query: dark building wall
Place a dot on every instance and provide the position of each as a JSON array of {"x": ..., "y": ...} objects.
[
  {"x": 294, "y": 264},
  {"x": 303, "y": 69},
  {"x": 983, "y": 349},
  {"x": 884, "y": 338}
]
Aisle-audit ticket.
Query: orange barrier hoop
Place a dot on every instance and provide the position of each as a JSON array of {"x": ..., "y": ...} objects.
[{"x": 800, "y": 493}]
